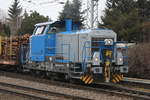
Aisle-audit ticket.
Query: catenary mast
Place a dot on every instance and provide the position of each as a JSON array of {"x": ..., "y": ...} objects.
[{"x": 92, "y": 14}]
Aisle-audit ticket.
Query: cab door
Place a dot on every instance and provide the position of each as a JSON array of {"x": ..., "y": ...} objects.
[{"x": 37, "y": 44}]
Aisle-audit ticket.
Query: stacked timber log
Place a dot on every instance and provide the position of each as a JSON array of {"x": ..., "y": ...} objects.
[{"x": 10, "y": 48}]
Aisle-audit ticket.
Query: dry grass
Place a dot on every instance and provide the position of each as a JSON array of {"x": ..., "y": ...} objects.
[{"x": 139, "y": 61}]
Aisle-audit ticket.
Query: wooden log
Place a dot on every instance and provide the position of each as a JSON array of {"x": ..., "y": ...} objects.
[{"x": 10, "y": 47}]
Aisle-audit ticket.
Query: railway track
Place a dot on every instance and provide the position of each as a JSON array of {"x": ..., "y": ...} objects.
[
  {"x": 136, "y": 93},
  {"x": 37, "y": 94},
  {"x": 115, "y": 89},
  {"x": 136, "y": 82}
]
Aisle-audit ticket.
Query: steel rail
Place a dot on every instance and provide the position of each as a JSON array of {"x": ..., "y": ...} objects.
[
  {"x": 26, "y": 91},
  {"x": 122, "y": 90},
  {"x": 145, "y": 83}
]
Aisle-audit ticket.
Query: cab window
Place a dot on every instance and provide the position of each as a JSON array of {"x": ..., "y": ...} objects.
[
  {"x": 40, "y": 30},
  {"x": 52, "y": 30}
]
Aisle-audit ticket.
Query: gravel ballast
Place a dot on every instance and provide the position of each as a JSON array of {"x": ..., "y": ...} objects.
[
  {"x": 5, "y": 96},
  {"x": 75, "y": 92}
]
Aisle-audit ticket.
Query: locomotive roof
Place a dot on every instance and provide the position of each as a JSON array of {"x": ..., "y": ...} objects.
[
  {"x": 44, "y": 23},
  {"x": 101, "y": 31},
  {"x": 86, "y": 31}
]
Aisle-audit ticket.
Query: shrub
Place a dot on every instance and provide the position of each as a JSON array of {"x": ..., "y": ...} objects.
[{"x": 139, "y": 61}]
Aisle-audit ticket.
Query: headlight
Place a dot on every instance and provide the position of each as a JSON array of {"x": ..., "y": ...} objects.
[
  {"x": 50, "y": 58},
  {"x": 96, "y": 59},
  {"x": 120, "y": 59},
  {"x": 108, "y": 42}
]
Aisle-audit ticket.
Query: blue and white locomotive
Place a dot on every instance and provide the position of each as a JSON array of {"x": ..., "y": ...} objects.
[{"x": 89, "y": 55}]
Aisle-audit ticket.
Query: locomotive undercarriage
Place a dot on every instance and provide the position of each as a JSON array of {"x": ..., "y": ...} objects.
[{"x": 68, "y": 71}]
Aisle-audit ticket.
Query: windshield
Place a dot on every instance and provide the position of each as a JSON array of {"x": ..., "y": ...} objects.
[{"x": 40, "y": 30}]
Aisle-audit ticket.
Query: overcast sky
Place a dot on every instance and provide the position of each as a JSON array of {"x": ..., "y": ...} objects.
[{"x": 49, "y": 8}]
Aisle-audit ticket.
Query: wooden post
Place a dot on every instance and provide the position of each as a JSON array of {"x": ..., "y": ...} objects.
[
  {"x": 0, "y": 45},
  {"x": 10, "y": 49}
]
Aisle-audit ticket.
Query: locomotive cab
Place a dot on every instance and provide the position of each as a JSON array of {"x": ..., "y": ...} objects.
[{"x": 42, "y": 42}]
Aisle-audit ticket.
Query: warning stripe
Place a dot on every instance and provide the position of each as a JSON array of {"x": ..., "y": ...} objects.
[
  {"x": 116, "y": 79},
  {"x": 81, "y": 78},
  {"x": 85, "y": 78},
  {"x": 118, "y": 76},
  {"x": 88, "y": 79},
  {"x": 91, "y": 81},
  {"x": 121, "y": 77}
]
